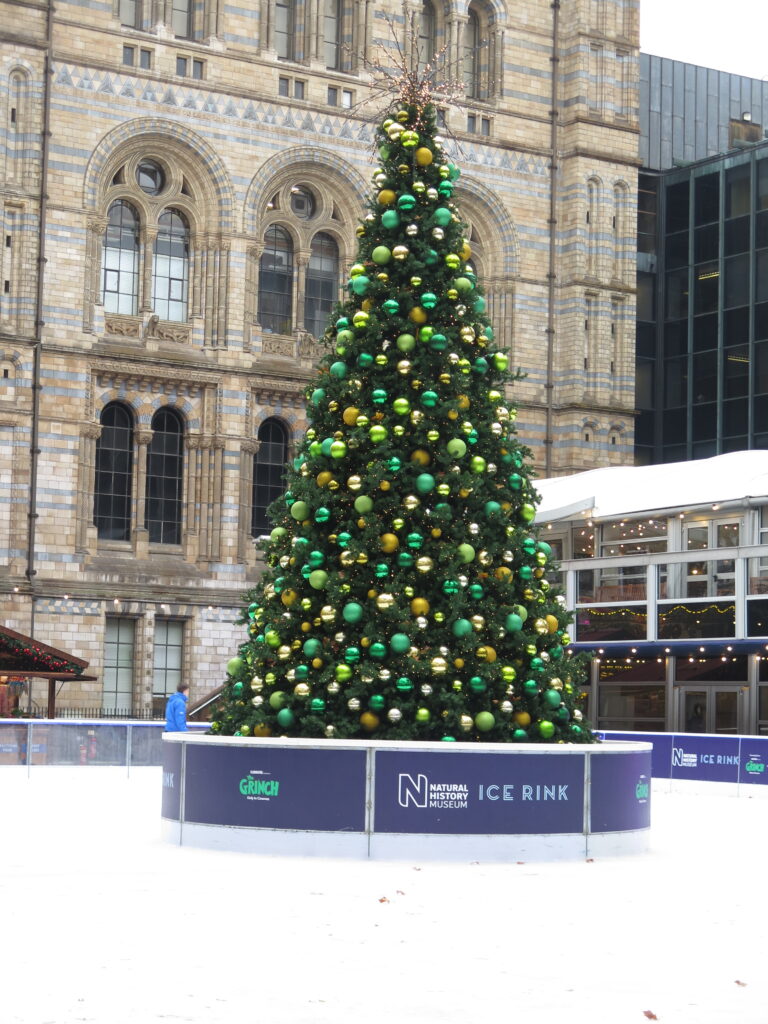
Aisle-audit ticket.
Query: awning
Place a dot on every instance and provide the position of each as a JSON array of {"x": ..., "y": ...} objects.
[
  {"x": 25, "y": 657},
  {"x": 667, "y": 648}
]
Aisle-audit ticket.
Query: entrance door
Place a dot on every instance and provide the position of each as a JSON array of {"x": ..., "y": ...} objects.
[{"x": 714, "y": 709}]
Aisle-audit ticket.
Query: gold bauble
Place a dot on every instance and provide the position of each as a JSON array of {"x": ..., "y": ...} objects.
[
  {"x": 410, "y": 501},
  {"x": 421, "y": 457},
  {"x": 419, "y": 606},
  {"x": 384, "y": 601},
  {"x": 349, "y": 415},
  {"x": 257, "y": 684},
  {"x": 362, "y": 558},
  {"x": 503, "y": 573},
  {"x": 522, "y": 718},
  {"x": 283, "y": 652},
  {"x": 369, "y": 721},
  {"x": 551, "y": 623},
  {"x": 302, "y": 690},
  {"x": 486, "y": 654},
  {"x": 389, "y": 543},
  {"x": 347, "y": 558},
  {"x": 262, "y": 730},
  {"x": 477, "y": 622},
  {"x": 439, "y": 666},
  {"x": 466, "y": 723},
  {"x": 541, "y": 627},
  {"x": 424, "y": 564},
  {"x": 556, "y": 684},
  {"x": 439, "y": 616},
  {"x": 328, "y": 613},
  {"x": 317, "y": 663},
  {"x": 436, "y": 532},
  {"x": 484, "y": 557},
  {"x": 384, "y": 485},
  {"x": 323, "y": 478}
]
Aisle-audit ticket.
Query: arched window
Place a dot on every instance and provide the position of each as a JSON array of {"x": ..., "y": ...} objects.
[
  {"x": 284, "y": 29},
  {"x": 276, "y": 282},
  {"x": 120, "y": 260},
  {"x": 472, "y": 55},
  {"x": 426, "y": 41},
  {"x": 268, "y": 473},
  {"x": 332, "y": 34},
  {"x": 170, "y": 269},
  {"x": 165, "y": 464},
  {"x": 114, "y": 473},
  {"x": 322, "y": 286}
]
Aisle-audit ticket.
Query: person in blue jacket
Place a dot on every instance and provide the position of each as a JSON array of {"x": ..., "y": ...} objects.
[{"x": 176, "y": 710}]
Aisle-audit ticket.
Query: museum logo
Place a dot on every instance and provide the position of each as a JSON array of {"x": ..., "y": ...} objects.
[
  {"x": 256, "y": 786},
  {"x": 420, "y": 792},
  {"x": 754, "y": 765},
  {"x": 642, "y": 789}
]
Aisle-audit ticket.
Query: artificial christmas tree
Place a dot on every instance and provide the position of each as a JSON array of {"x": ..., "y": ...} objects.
[{"x": 406, "y": 593}]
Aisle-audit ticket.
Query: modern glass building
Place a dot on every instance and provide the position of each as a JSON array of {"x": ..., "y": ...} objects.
[{"x": 702, "y": 305}]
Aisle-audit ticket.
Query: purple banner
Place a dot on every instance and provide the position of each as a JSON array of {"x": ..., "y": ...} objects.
[
  {"x": 706, "y": 758},
  {"x": 661, "y": 760},
  {"x": 272, "y": 787},
  {"x": 620, "y": 798},
  {"x": 478, "y": 794},
  {"x": 171, "y": 781}
]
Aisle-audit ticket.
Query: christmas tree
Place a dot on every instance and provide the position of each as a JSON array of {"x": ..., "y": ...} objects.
[{"x": 406, "y": 595}]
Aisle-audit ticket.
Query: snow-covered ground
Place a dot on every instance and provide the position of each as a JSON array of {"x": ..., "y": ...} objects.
[{"x": 103, "y": 922}]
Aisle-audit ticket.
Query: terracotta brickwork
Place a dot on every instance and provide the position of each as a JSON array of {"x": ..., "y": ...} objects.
[{"x": 237, "y": 116}]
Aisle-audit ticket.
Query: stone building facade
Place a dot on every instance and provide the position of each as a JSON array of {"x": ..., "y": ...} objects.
[{"x": 180, "y": 188}]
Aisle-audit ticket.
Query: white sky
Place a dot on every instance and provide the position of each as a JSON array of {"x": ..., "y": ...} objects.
[{"x": 729, "y": 36}]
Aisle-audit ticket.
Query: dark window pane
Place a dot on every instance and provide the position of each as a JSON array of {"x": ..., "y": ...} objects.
[
  {"x": 112, "y": 489},
  {"x": 644, "y": 428},
  {"x": 322, "y": 283},
  {"x": 276, "y": 282},
  {"x": 706, "y": 199},
  {"x": 150, "y": 177},
  {"x": 674, "y": 425},
  {"x": 284, "y": 29},
  {"x": 736, "y": 326},
  {"x": 676, "y": 338},
  {"x": 676, "y": 285},
  {"x": 674, "y": 453},
  {"x": 761, "y": 230},
  {"x": 646, "y": 297},
  {"x": 676, "y": 250},
  {"x": 332, "y": 32},
  {"x": 736, "y": 236},
  {"x": 677, "y": 206},
  {"x": 761, "y": 372},
  {"x": 737, "y": 181},
  {"x": 705, "y": 282},
  {"x": 705, "y": 332},
  {"x": 761, "y": 276},
  {"x": 644, "y": 385},
  {"x": 762, "y": 184},
  {"x": 268, "y": 473},
  {"x": 736, "y": 372},
  {"x": 704, "y": 422},
  {"x": 165, "y": 463},
  {"x": 736, "y": 290},
  {"x": 645, "y": 344},
  {"x": 704, "y": 375},
  {"x": 675, "y": 382},
  {"x": 705, "y": 243},
  {"x": 734, "y": 418}
]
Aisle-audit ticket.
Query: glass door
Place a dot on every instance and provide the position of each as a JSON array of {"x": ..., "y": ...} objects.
[{"x": 716, "y": 709}]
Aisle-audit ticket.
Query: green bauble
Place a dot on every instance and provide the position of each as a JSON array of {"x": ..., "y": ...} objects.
[
  {"x": 299, "y": 511},
  {"x": 390, "y": 219},
  {"x": 318, "y": 579},
  {"x": 466, "y": 552},
  {"x": 425, "y": 483},
  {"x": 235, "y": 666},
  {"x": 352, "y": 612},
  {"x": 546, "y": 730},
  {"x": 381, "y": 255},
  {"x": 363, "y": 504},
  {"x": 456, "y": 447},
  {"x": 400, "y": 643},
  {"x": 285, "y": 718},
  {"x": 461, "y": 627},
  {"x": 276, "y": 700},
  {"x": 513, "y": 623},
  {"x": 484, "y": 721},
  {"x": 406, "y": 342},
  {"x": 338, "y": 370}
]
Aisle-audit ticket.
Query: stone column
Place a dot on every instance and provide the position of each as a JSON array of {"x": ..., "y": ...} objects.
[
  {"x": 93, "y": 245},
  {"x": 143, "y": 439},
  {"x": 147, "y": 243},
  {"x": 86, "y": 471},
  {"x": 192, "y": 506},
  {"x": 248, "y": 449},
  {"x": 300, "y": 289}
]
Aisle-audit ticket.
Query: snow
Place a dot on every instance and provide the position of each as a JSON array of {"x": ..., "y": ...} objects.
[
  {"x": 106, "y": 923},
  {"x": 739, "y": 477}
]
